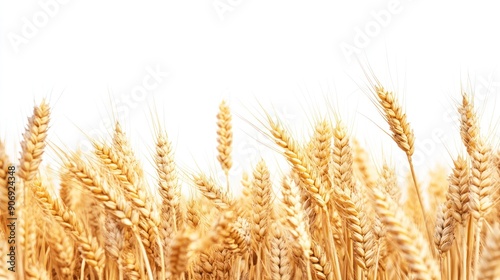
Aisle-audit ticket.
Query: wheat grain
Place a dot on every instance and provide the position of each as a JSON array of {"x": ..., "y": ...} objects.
[{"x": 319, "y": 262}]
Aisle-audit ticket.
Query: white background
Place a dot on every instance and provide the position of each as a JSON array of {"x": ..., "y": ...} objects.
[{"x": 289, "y": 58}]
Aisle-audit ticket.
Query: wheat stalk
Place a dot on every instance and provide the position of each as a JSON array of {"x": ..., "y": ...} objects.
[{"x": 402, "y": 134}]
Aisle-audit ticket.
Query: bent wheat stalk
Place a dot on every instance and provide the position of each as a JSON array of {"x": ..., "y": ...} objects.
[{"x": 402, "y": 134}]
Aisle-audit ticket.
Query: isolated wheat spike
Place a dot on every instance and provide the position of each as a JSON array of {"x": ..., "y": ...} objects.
[{"x": 224, "y": 136}]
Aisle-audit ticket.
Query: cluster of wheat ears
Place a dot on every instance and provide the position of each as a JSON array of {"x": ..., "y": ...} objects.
[{"x": 331, "y": 217}]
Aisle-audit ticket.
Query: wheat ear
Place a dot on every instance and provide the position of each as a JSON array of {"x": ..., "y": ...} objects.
[
  {"x": 213, "y": 192},
  {"x": 32, "y": 149},
  {"x": 319, "y": 262},
  {"x": 179, "y": 253},
  {"x": 490, "y": 262},
  {"x": 410, "y": 244},
  {"x": 300, "y": 163},
  {"x": 444, "y": 233},
  {"x": 342, "y": 158},
  {"x": 296, "y": 219},
  {"x": 389, "y": 181},
  {"x": 362, "y": 164},
  {"x": 136, "y": 193},
  {"x": 480, "y": 192},
  {"x": 224, "y": 138},
  {"x": 321, "y": 153},
  {"x": 459, "y": 189},
  {"x": 279, "y": 259},
  {"x": 33, "y": 143},
  {"x": 469, "y": 127},
  {"x": 350, "y": 205},
  {"x": 168, "y": 187},
  {"x": 87, "y": 244},
  {"x": 62, "y": 250},
  {"x": 402, "y": 134},
  {"x": 261, "y": 195}
]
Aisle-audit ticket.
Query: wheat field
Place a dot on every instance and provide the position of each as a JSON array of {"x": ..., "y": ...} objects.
[{"x": 333, "y": 215}]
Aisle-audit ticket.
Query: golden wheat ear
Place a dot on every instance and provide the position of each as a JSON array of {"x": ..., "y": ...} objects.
[
  {"x": 296, "y": 221},
  {"x": 33, "y": 144},
  {"x": 224, "y": 138},
  {"x": 405, "y": 238},
  {"x": 281, "y": 266},
  {"x": 362, "y": 165},
  {"x": 172, "y": 218},
  {"x": 212, "y": 192},
  {"x": 87, "y": 243},
  {"x": 469, "y": 126},
  {"x": 301, "y": 164},
  {"x": 179, "y": 253},
  {"x": 342, "y": 158},
  {"x": 490, "y": 264},
  {"x": 403, "y": 135}
]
